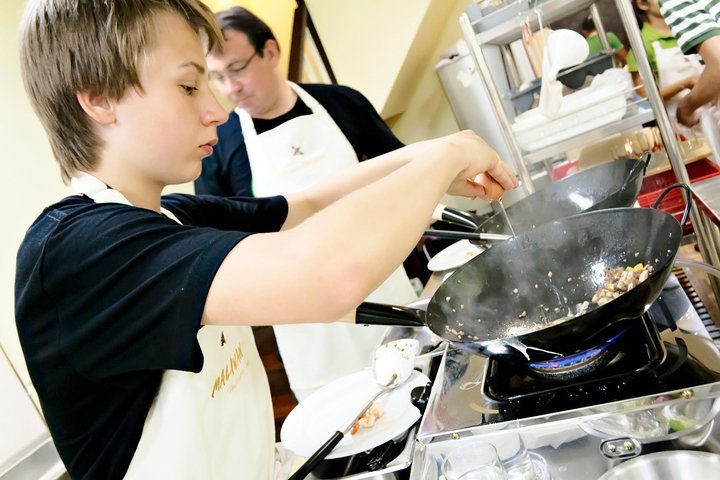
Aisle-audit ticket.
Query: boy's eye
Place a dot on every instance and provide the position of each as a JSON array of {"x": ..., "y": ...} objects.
[{"x": 189, "y": 89}]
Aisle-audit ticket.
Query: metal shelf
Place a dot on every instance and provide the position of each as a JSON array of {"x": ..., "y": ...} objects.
[
  {"x": 509, "y": 30},
  {"x": 636, "y": 116}
]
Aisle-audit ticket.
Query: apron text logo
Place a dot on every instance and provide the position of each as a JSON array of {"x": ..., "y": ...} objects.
[{"x": 234, "y": 365}]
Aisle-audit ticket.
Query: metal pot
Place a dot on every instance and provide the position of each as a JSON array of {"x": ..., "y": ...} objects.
[{"x": 666, "y": 465}]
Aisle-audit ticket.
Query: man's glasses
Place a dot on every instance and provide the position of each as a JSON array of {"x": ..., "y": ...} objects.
[{"x": 233, "y": 73}]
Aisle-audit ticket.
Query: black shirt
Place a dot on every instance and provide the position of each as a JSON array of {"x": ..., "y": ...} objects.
[
  {"x": 107, "y": 296},
  {"x": 227, "y": 171}
]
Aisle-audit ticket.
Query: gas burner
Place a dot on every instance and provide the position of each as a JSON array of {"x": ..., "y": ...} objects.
[
  {"x": 614, "y": 368},
  {"x": 578, "y": 364}
]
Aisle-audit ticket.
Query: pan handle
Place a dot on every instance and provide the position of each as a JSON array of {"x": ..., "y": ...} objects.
[
  {"x": 457, "y": 217},
  {"x": 369, "y": 313},
  {"x": 645, "y": 158},
  {"x": 688, "y": 200}
]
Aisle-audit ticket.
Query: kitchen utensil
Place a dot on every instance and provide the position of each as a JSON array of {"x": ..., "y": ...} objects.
[
  {"x": 566, "y": 48},
  {"x": 454, "y": 255},
  {"x": 671, "y": 464},
  {"x": 475, "y": 236},
  {"x": 527, "y": 289},
  {"x": 608, "y": 185}
]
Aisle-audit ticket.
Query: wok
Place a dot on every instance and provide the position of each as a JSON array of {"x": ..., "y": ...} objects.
[
  {"x": 609, "y": 185},
  {"x": 523, "y": 293}
]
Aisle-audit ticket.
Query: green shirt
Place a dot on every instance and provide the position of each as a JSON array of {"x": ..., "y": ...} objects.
[
  {"x": 649, "y": 35},
  {"x": 596, "y": 47}
]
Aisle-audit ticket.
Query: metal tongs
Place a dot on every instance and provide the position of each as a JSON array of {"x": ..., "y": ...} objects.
[{"x": 474, "y": 236}]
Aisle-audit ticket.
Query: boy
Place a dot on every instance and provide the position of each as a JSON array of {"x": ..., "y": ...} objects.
[{"x": 113, "y": 284}]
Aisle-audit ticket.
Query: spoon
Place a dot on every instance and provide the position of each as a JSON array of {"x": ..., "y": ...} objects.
[{"x": 390, "y": 370}]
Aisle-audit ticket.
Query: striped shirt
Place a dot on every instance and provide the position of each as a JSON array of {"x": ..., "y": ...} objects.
[{"x": 692, "y": 21}]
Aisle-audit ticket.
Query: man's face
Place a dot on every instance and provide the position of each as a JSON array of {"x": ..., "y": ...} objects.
[
  {"x": 163, "y": 131},
  {"x": 246, "y": 78}
]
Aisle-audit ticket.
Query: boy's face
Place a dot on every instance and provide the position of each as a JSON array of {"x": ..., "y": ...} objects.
[
  {"x": 162, "y": 133},
  {"x": 248, "y": 80}
]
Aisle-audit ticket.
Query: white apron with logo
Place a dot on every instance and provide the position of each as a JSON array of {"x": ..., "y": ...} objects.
[
  {"x": 286, "y": 159},
  {"x": 214, "y": 424}
]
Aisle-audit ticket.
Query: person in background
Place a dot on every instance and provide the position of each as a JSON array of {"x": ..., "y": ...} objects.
[
  {"x": 696, "y": 25},
  {"x": 134, "y": 309},
  {"x": 281, "y": 138},
  {"x": 590, "y": 33},
  {"x": 675, "y": 73}
]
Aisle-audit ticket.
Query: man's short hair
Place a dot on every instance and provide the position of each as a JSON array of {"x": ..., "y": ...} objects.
[
  {"x": 242, "y": 20},
  {"x": 96, "y": 46}
]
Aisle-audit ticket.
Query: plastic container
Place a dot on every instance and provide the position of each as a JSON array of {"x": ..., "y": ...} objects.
[
  {"x": 674, "y": 202},
  {"x": 573, "y": 77}
]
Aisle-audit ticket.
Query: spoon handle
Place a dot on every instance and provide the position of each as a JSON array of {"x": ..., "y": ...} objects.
[{"x": 317, "y": 457}]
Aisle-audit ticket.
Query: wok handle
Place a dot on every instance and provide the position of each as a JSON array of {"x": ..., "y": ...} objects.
[
  {"x": 688, "y": 200},
  {"x": 369, "y": 313},
  {"x": 457, "y": 217},
  {"x": 645, "y": 158}
]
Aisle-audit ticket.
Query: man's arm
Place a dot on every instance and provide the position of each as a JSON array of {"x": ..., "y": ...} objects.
[
  {"x": 707, "y": 87},
  {"x": 357, "y": 229}
]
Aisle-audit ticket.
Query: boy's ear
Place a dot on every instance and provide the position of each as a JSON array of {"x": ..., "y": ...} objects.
[{"x": 98, "y": 107}]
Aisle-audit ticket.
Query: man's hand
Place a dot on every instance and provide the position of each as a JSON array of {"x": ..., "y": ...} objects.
[{"x": 686, "y": 114}]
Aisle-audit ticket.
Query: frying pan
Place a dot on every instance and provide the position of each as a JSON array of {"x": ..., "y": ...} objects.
[
  {"x": 608, "y": 185},
  {"x": 519, "y": 298}
]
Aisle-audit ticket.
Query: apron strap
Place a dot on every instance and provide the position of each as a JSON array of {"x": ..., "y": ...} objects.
[{"x": 83, "y": 183}]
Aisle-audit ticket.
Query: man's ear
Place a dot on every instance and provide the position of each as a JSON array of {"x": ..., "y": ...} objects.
[
  {"x": 98, "y": 107},
  {"x": 272, "y": 50}
]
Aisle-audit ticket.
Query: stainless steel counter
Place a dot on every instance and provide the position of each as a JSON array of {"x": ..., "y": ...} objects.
[{"x": 707, "y": 195}]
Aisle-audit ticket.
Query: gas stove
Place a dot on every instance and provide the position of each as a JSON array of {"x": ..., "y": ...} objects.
[{"x": 663, "y": 360}]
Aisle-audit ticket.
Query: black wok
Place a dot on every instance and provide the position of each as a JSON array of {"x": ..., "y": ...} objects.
[
  {"x": 609, "y": 185},
  {"x": 525, "y": 291}
]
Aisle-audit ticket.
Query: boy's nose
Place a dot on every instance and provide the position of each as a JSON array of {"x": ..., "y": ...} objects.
[{"x": 214, "y": 113}]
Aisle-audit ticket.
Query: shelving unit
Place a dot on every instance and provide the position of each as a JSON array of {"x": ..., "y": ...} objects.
[
  {"x": 483, "y": 34},
  {"x": 488, "y": 35}
]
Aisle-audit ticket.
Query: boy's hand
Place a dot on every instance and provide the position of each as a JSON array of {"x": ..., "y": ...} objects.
[{"x": 483, "y": 174}]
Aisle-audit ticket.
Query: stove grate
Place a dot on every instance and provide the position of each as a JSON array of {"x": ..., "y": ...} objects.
[{"x": 698, "y": 304}]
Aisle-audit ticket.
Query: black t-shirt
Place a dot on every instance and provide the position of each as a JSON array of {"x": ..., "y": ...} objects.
[
  {"x": 107, "y": 296},
  {"x": 227, "y": 171}
]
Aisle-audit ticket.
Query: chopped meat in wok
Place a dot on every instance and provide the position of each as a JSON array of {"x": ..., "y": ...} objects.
[{"x": 620, "y": 280}]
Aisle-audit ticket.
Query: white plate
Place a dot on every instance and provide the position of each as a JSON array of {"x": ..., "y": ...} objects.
[
  {"x": 328, "y": 409},
  {"x": 453, "y": 256}
]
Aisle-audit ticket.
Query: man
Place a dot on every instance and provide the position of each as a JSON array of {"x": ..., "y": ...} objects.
[
  {"x": 282, "y": 138},
  {"x": 696, "y": 25}
]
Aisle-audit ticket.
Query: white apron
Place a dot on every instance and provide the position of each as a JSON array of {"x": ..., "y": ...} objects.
[
  {"x": 286, "y": 159},
  {"x": 672, "y": 66},
  {"x": 214, "y": 424}
]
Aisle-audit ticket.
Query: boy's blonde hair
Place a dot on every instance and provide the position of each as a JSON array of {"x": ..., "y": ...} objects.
[{"x": 96, "y": 46}]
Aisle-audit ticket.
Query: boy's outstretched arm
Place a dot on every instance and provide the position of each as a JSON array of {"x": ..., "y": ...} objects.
[{"x": 340, "y": 246}]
